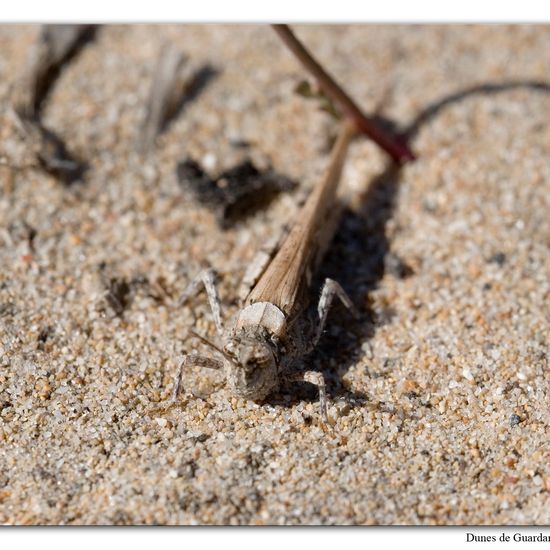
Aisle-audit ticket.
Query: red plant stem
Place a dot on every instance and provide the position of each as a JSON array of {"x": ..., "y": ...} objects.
[{"x": 393, "y": 145}]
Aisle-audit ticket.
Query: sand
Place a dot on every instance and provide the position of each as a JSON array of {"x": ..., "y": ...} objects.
[{"x": 439, "y": 393}]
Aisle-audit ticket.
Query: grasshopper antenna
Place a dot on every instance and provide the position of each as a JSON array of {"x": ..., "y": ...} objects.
[{"x": 208, "y": 342}]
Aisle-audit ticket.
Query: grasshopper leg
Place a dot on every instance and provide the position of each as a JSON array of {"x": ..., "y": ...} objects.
[
  {"x": 206, "y": 278},
  {"x": 317, "y": 379},
  {"x": 192, "y": 361},
  {"x": 331, "y": 289}
]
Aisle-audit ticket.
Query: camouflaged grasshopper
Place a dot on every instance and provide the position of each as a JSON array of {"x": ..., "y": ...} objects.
[{"x": 270, "y": 333}]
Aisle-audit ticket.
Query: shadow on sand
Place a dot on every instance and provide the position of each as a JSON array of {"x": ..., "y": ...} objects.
[{"x": 360, "y": 256}]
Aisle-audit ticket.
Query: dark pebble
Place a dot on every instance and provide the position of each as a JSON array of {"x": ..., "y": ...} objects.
[
  {"x": 514, "y": 420},
  {"x": 499, "y": 258}
]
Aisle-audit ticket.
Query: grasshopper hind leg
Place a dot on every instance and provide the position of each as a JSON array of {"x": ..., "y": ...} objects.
[
  {"x": 331, "y": 289},
  {"x": 317, "y": 379}
]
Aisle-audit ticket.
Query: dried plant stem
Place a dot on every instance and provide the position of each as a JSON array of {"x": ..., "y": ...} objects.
[{"x": 393, "y": 145}]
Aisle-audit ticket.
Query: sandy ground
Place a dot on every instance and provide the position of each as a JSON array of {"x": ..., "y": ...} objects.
[{"x": 439, "y": 392}]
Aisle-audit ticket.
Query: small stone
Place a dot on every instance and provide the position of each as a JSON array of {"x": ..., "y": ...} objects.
[
  {"x": 366, "y": 348},
  {"x": 162, "y": 422},
  {"x": 209, "y": 161},
  {"x": 514, "y": 420},
  {"x": 466, "y": 373},
  {"x": 341, "y": 408}
]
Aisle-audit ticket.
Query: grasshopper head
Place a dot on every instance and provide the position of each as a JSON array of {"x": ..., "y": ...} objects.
[{"x": 253, "y": 371}]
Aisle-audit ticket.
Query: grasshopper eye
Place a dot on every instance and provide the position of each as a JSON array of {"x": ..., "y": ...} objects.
[{"x": 262, "y": 357}]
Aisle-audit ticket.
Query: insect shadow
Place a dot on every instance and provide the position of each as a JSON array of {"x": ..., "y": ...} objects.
[
  {"x": 356, "y": 259},
  {"x": 359, "y": 257}
]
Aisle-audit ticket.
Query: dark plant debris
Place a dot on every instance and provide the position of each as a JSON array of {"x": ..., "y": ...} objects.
[
  {"x": 21, "y": 230},
  {"x": 7, "y": 309},
  {"x": 118, "y": 295},
  {"x": 44, "y": 335},
  {"x": 188, "y": 90},
  {"x": 165, "y": 92},
  {"x": 120, "y": 291},
  {"x": 171, "y": 90},
  {"x": 49, "y": 150},
  {"x": 56, "y": 45},
  {"x": 235, "y": 193}
]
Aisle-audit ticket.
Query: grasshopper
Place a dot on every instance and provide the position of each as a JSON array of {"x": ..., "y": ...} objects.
[{"x": 270, "y": 334}]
